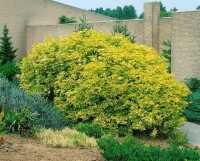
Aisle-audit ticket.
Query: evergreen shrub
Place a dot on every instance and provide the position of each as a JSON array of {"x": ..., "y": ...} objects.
[
  {"x": 106, "y": 79},
  {"x": 130, "y": 150},
  {"x": 90, "y": 129},
  {"x": 192, "y": 113},
  {"x": 193, "y": 84},
  {"x": 7, "y": 51},
  {"x": 9, "y": 70}
]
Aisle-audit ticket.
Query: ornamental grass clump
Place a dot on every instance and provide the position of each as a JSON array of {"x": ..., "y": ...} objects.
[
  {"x": 95, "y": 76},
  {"x": 66, "y": 138}
]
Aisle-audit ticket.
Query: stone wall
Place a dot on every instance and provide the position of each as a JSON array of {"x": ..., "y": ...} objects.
[
  {"x": 38, "y": 33},
  {"x": 165, "y": 32},
  {"x": 17, "y": 14},
  {"x": 186, "y": 44},
  {"x": 30, "y": 21}
]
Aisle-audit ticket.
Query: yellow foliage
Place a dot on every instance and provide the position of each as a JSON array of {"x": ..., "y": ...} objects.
[
  {"x": 66, "y": 138},
  {"x": 107, "y": 79}
]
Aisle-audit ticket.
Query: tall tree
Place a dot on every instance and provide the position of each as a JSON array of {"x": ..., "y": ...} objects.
[
  {"x": 162, "y": 7},
  {"x": 198, "y": 7},
  {"x": 99, "y": 10},
  {"x": 164, "y": 12},
  {"x": 108, "y": 12},
  {"x": 141, "y": 15},
  {"x": 119, "y": 13},
  {"x": 7, "y": 51},
  {"x": 129, "y": 12}
]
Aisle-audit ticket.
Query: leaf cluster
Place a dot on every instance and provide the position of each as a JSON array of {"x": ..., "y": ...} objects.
[{"x": 65, "y": 20}]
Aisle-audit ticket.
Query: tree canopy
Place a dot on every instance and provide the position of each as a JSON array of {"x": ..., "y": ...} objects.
[{"x": 127, "y": 12}]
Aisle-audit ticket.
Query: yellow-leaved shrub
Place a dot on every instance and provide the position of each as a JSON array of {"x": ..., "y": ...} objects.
[{"x": 122, "y": 86}]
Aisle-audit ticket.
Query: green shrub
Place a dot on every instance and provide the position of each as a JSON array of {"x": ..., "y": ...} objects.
[
  {"x": 193, "y": 84},
  {"x": 64, "y": 20},
  {"x": 15, "y": 98},
  {"x": 9, "y": 70},
  {"x": 192, "y": 116},
  {"x": 103, "y": 78},
  {"x": 120, "y": 28},
  {"x": 66, "y": 138},
  {"x": 192, "y": 113},
  {"x": 179, "y": 138},
  {"x": 18, "y": 121},
  {"x": 90, "y": 129},
  {"x": 84, "y": 25},
  {"x": 129, "y": 150}
]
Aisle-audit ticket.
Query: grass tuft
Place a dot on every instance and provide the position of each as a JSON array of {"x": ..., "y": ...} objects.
[{"x": 66, "y": 138}]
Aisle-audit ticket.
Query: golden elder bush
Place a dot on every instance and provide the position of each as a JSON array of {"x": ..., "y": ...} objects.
[{"x": 122, "y": 86}]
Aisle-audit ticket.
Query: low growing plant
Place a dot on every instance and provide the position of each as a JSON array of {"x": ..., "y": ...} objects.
[
  {"x": 130, "y": 150},
  {"x": 18, "y": 121},
  {"x": 90, "y": 129},
  {"x": 17, "y": 100},
  {"x": 66, "y": 138}
]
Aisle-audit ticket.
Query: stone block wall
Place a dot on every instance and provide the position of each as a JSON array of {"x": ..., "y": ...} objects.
[
  {"x": 17, "y": 14},
  {"x": 30, "y": 21},
  {"x": 38, "y": 33},
  {"x": 186, "y": 44}
]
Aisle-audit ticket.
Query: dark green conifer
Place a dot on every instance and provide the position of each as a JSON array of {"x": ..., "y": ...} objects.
[{"x": 7, "y": 51}]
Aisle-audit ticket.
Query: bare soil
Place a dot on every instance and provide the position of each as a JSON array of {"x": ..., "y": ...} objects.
[{"x": 15, "y": 148}]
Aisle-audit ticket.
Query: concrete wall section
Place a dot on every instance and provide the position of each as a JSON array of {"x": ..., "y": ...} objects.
[
  {"x": 186, "y": 45},
  {"x": 19, "y": 13},
  {"x": 38, "y": 33},
  {"x": 151, "y": 24},
  {"x": 47, "y": 12},
  {"x": 165, "y": 32}
]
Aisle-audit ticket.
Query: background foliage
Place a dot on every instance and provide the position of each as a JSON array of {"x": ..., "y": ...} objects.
[{"x": 127, "y": 12}]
